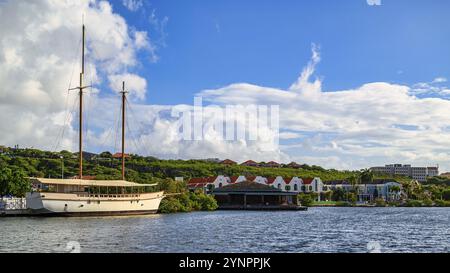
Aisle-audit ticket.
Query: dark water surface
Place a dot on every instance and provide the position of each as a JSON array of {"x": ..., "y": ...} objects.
[{"x": 315, "y": 230}]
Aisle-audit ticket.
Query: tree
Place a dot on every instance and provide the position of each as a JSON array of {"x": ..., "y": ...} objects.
[
  {"x": 305, "y": 199},
  {"x": 5, "y": 175},
  {"x": 366, "y": 176},
  {"x": 19, "y": 185},
  {"x": 13, "y": 183},
  {"x": 338, "y": 194}
]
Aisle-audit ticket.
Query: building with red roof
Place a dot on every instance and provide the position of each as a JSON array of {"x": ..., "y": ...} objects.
[
  {"x": 119, "y": 155},
  {"x": 250, "y": 163},
  {"x": 228, "y": 162},
  {"x": 271, "y": 164}
]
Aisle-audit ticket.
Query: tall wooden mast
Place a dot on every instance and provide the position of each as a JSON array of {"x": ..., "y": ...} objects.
[
  {"x": 80, "y": 155},
  {"x": 123, "y": 129},
  {"x": 80, "y": 92}
]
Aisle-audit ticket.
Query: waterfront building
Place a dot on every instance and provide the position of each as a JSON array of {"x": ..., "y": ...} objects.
[
  {"x": 277, "y": 182},
  {"x": 208, "y": 183},
  {"x": 258, "y": 179},
  {"x": 237, "y": 179},
  {"x": 380, "y": 188},
  {"x": 286, "y": 184},
  {"x": 418, "y": 173},
  {"x": 293, "y": 184},
  {"x": 250, "y": 195}
]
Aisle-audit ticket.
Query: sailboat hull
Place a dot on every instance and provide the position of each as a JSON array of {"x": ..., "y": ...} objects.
[{"x": 72, "y": 204}]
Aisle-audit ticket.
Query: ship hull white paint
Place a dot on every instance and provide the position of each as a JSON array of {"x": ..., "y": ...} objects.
[{"x": 71, "y": 204}]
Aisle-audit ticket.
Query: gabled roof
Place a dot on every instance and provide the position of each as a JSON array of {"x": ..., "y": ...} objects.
[
  {"x": 270, "y": 180},
  {"x": 119, "y": 155},
  {"x": 249, "y": 162},
  {"x": 294, "y": 165},
  {"x": 288, "y": 180},
  {"x": 228, "y": 161},
  {"x": 250, "y": 178},
  {"x": 233, "y": 179},
  {"x": 307, "y": 181},
  {"x": 247, "y": 186},
  {"x": 272, "y": 163}
]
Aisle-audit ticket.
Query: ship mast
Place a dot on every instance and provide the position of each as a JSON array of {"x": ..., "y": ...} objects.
[
  {"x": 80, "y": 92},
  {"x": 123, "y": 92}
]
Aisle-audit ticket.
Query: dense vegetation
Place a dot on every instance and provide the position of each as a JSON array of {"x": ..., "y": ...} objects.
[
  {"x": 181, "y": 200},
  {"x": 15, "y": 164},
  {"x": 141, "y": 169}
]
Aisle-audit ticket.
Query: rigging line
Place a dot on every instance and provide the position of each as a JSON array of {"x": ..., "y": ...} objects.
[
  {"x": 132, "y": 138},
  {"x": 116, "y": 136},
  {"x": 141, "y": 131},
  {"x": 111, "y": 128},
  {"x": 66, "y": 109},
  {"x": 65, "y": 124},
  {"x": 141, "y": 141}
]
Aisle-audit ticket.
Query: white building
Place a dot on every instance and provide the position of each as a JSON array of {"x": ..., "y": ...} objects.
[
  {"x": 293, "y": 184},
  {"x": 418, "y": 173},
  {"x": 287, "y": 184}
]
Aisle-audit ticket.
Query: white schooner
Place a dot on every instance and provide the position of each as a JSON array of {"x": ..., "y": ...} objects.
[{"x": 81, "y": 197}]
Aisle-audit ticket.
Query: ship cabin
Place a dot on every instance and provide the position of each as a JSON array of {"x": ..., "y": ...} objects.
[{"x": 91, "y": 188}]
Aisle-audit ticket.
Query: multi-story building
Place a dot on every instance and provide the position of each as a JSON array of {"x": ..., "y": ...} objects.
[
  {"x": 418, "y": 173},
  {"x": 385, "y": 189}
]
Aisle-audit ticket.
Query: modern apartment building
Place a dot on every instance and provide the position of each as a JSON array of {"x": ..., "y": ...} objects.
[{"x": 417, "y": 173}]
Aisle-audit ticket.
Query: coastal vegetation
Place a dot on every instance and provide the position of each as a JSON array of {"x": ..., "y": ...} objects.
[
  {"x": 179, "y": 199},
  {"x": 17, "y": 164}
]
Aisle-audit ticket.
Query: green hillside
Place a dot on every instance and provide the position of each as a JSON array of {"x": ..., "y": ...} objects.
[{"x": 141, "y": 169}]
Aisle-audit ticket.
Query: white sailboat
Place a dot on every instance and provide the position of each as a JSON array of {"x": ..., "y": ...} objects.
[{"x": 80, "y": 197}]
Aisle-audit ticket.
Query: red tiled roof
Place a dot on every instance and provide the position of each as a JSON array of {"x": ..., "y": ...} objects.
[
  {"x": 307, "y": 180},
  {"x": 272, "y": 163},
  {"x": 270, "y": 180},
  {"x": 228, "y": 161},
  {"x": 250, "y": 178},
  {"x": 119, "y": 155},
  {"x": 233, "y": 179},
  {"x": 249, "y": 162},
  {"x": 287, "y": 179},
  {"x": 294, "y": 164},
  {"x": 197, "y": 185},
  {"x": 196, "y": 180}
]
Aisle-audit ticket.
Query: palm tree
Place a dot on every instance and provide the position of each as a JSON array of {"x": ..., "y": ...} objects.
[{"x": 366, "y": 176}]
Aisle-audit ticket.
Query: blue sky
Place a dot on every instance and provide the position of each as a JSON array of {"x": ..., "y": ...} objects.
[{"x": 214, "y": 43}]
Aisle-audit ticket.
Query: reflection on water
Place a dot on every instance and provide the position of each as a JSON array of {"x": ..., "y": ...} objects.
[{"x": 315, "y": 230}]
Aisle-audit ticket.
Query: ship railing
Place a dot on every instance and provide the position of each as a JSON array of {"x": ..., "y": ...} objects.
[{"x": 108, "y": 195}]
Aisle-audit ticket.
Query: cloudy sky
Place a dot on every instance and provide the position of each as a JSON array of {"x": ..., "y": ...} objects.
[{"x": 358, "y": 83}]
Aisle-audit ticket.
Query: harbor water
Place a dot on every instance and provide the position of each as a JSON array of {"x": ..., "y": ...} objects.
[{"x": 326, "y": 229}]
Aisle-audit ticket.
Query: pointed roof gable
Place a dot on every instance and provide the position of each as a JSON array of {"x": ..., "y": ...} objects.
[{"x": 307, "y": 181}]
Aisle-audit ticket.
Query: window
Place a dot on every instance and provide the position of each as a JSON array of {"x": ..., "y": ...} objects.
[
  {"x": 295, "y": 187},
  {"x": 279, "y": 185},
  {"x": 220, "y": 185},
  {"x": 287, "y": 187}
]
